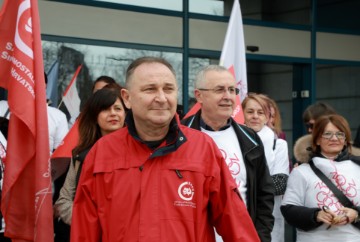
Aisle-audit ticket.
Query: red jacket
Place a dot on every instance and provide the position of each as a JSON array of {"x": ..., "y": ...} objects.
[{"x": 177, "y": 192}]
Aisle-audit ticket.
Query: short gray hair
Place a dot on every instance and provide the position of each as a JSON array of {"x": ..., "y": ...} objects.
[
  {"x": 145, "y": 59},
  {"x": 200, "y": 77}
]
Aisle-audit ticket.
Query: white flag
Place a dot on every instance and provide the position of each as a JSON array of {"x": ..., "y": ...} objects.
[
  {"x": 233, "y": 52},
  {"x": 233, "y": 57},
  {"x": 71, "y": 97}
]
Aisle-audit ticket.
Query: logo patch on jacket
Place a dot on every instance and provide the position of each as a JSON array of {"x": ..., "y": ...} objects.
[{"x": 186, "y": 193}]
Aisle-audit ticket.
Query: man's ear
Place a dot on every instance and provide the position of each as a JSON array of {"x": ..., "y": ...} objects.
[
  {"x": 198, "y": 96},
  {"x": 126, "y": 98}
]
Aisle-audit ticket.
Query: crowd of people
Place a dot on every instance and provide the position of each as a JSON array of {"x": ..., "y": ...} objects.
[{"x": 139, "y": 173}]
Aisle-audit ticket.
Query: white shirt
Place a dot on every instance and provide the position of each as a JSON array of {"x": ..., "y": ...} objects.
[
  {"x": 278, "y": 162},
  {"x": 4, "y": 106},
  {"x": 57, "y": 123},
  {"x": 228, "y": 144},
  {"x": 58, "y": 127}
]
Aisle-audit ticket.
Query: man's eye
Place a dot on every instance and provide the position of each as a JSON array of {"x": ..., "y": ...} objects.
[{"x": 218, "y": 90}]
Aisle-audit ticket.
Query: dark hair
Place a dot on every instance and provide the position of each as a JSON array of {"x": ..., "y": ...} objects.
[
  {"x": 89, "y": 130},
  {"x": 46, "y": 78},
  {"x": 317, "y": 110},
  {"x": 105, "y": 79},
  {"x": 117, "y": 87},
  {"x": 320, "y": 125},
  {"x": 4, "y": 126},
  {"x": 147, "y": 59}
]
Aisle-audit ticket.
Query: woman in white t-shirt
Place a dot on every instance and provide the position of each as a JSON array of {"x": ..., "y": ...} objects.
[
  {"x": 309, "y": 204},
  {"x": 256, "y": 109}
]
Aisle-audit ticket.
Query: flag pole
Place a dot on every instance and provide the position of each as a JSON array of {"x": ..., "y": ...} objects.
[{"x": 62, "y": 100}]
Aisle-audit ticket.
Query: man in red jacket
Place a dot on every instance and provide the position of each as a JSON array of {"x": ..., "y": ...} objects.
[{"x": 157, "y": 180}]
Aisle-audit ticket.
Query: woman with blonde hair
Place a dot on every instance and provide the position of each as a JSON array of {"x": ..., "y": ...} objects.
[{"x": 257, "y": 114}]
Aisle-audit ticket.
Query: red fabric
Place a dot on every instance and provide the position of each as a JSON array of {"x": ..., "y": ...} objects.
[
  {"x": 68, "y": 144},
  {"x": 115, "y": 201},
  {"x": 193, "y": 110},
  {"x": 26, "y": 197}
]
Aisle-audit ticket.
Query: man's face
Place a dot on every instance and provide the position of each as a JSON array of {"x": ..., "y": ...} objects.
[
  {"x": 217, "y": 96},
  {"x": 152, "y": 95}
]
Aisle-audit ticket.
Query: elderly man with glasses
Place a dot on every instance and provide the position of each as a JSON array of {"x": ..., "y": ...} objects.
[{"x": 215, "y": 91}]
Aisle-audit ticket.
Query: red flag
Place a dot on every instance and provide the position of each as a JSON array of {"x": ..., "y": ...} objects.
[
  {"x": 26, "y": 197},
  {"x": 71, "y": 96},
  {"x": 68, "y": 144},
  {"x": 233, "y": 58}
]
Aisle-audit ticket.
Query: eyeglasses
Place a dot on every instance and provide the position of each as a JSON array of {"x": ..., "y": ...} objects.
[
  {"x": 222, "y": 90},
  {"x": 329, "y": 135}
]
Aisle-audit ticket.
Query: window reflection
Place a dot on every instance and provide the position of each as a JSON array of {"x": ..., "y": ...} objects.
[
  {"x": 97, "y": 61},
  {"x": 211, "y": 7},
  {"x": 175, "y": 5}
]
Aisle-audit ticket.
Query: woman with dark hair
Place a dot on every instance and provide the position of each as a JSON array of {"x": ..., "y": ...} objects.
[
  {"x": 309, "y": 203},
  {"x": 103, "y": 113},
  {"x": 102, "y": 81}
]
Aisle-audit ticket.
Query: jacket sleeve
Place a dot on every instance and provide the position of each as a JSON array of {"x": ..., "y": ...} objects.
[
  {"x": 64, "y": 204},
  {"x": 264, "y": 221},
  {"x": 228, "y": 212},
  {"x": 301, "y": 217},
  {"x": 281, "y": 169},
  {"x": 85, "y": 225}
]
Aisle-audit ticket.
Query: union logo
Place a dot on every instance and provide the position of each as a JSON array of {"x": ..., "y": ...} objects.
[
  {"x": 24, "y": 29},
  {"x": 186, "y": 191}
]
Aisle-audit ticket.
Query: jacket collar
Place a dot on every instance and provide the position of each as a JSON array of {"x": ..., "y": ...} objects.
[
  {"x": 207, "y": 127},
  {"x": 246, "y": 140},
  {"x": 343, "y": 155},
  {"x": 173, "y": 139}
]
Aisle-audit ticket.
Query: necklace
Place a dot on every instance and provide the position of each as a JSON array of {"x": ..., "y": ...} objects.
[{"x": 330, "y": 157}]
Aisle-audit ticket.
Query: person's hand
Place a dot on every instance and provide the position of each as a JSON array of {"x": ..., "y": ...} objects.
[
  {"x": 340, "y": 219},
  {"x": 326, "y": 216},
  {"x": 350, "y": 213}
]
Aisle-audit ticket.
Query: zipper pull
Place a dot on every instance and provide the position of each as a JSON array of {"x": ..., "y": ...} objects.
[{"x": 178, "y": 174}]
